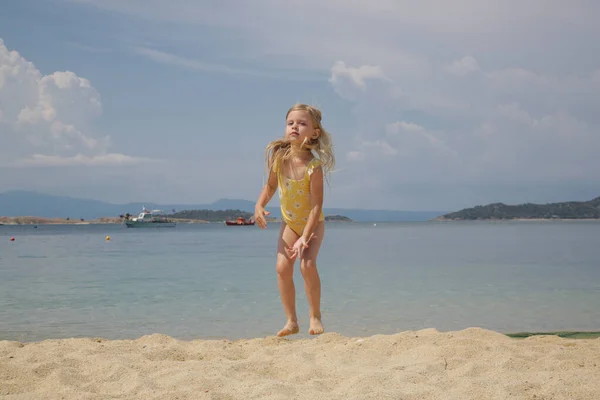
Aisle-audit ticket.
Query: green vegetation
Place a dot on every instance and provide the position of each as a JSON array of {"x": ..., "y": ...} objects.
[
  {"x": 565, "y": 210},
  {"x": 566, "y": 334},
  {"x": 211, "y": 215},
  {"x": 337, "y": 218},
  {"x": 224, "y": 215}
]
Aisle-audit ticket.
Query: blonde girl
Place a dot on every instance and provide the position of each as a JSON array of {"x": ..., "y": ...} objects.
[{"x": 297, "y": 166}]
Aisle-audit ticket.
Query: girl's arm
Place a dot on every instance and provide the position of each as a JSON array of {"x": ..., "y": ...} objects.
[
  {"x": 268, "y": 191},
  {"x": 316, "y": 203},
  {"x": 265, "y": 196}
]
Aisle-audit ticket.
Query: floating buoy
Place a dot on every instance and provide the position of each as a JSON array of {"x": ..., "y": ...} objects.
[
  {"x": 12, "y": 239},
  {"x": 108, "y": 238}
]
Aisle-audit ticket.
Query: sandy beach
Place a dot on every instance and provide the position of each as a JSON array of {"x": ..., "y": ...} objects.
[{"x": 469, "y": 364}]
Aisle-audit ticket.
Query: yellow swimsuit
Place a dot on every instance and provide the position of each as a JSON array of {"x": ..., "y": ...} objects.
[{"x": 294, "y": 195}]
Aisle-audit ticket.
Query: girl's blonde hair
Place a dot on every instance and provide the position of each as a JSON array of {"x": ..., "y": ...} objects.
[{"x": 280, "y": 150}]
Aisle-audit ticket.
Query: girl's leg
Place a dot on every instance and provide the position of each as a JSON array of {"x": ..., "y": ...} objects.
[
  {"x": 285, "y": 279},
  {"x": 312, "y": 282}
]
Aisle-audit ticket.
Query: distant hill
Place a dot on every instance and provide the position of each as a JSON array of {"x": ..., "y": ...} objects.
[
  {"x": 28, "y": 203},
  {"x": 565, "y": 210},
  {"x": 337, "y": 218}
]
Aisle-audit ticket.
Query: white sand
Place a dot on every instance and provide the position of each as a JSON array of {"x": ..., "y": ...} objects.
[{"x": 469, "y": 364}]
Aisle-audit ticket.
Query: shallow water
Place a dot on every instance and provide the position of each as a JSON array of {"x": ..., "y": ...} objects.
[{"x": 213, "y": 281}]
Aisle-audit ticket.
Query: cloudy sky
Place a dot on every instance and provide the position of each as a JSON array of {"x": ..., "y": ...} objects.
[{"x": 432, "y": 105}]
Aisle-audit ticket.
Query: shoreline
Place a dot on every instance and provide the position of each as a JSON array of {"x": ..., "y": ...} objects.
[
  {"x": 32, "y": 220},
  {"x": 423, "y": 364},
  {"x": 511, "y": 219},
  {"x": 574, "y": 335}
]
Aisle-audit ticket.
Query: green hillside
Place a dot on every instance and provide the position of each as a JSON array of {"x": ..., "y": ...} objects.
[{"x": 565, "y": 210}]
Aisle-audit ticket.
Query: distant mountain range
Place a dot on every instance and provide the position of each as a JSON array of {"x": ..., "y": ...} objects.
[
  {"x": 27, "y": 203},
  {"x": 563, "y": 210}
]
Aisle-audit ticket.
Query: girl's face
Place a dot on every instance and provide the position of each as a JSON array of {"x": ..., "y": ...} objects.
[{"x": 299, "y": 127}]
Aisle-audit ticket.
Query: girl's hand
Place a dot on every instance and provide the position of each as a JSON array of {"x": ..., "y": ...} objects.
[
  {"x": 299, "y": 246},
  {"x": 259, "y": 217}
]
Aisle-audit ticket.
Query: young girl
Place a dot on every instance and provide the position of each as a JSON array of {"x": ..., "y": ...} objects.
[{"x": 297, "y": 165}]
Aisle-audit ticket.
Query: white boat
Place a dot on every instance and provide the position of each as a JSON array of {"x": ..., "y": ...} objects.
[{"x": 149, "y": 219}]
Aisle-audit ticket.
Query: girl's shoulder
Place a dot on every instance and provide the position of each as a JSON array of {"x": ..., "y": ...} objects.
[{"x": 312, "y": 165}]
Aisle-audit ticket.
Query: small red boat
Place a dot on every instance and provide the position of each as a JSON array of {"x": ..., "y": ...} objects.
[{"x": 240, "y": 222}]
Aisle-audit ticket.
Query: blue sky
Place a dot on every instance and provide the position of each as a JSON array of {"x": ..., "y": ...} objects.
[{"x": 434, "y": 106}]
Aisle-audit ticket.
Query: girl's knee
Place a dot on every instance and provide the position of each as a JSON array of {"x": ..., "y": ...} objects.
[
  {"x": 285, "y": 269},
  {"x": 308, "y": 265}
]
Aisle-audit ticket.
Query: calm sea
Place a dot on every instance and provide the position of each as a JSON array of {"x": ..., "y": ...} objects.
[{"x": 213, "y": 281}]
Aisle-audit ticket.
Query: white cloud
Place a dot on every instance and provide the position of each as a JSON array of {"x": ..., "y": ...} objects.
[
  {"x": 463, "y": 66},
  {"x": 350, "y": 82},
  {"x": 555, "y": 146},
  {"x": 519, "y": 141},
  {"x": 110, "y": 159},
  {"x": 203, "y": 66},
  {"x": 413, "y": 132},
  {"x": 526, "y": 82},
  {"x": 167, "y": 58},
  {"x": 47, "y": 120},
  {"x": 381, "y": 147},
  {"x": 404, "y": 151},
  {"x": 355, "y": 156},
  {"x": 378, "y": 31},
  {"x": 467, "y": 92}
]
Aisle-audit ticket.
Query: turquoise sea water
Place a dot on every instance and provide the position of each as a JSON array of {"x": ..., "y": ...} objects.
[{"x": 213, "y": 281}]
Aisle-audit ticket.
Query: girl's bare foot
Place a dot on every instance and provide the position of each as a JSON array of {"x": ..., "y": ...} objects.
[
  {"x": 316, "y": 326},
  {"x": 289, "y": 329}
]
